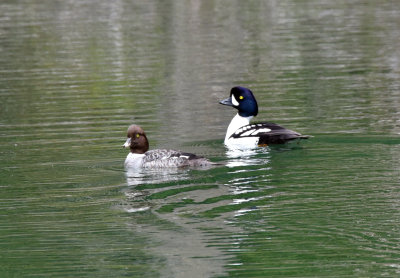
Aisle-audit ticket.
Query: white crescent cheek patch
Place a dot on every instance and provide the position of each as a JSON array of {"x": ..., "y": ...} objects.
[{"x": 234, "y": 101}]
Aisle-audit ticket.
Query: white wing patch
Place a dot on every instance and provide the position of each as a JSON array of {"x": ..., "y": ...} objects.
[
  {"x": 247, "y": 133},
  {"x": 238, "y": 131},
  {"x": 251, "y": 130},
  {"x": 244, "y": 128},
  {"x": 261, "y": 130}
]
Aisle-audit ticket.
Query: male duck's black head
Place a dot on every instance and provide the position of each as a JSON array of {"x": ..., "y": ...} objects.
[
  {"x": 243, "y": 100},
  {"x": 137, "y": 140}
]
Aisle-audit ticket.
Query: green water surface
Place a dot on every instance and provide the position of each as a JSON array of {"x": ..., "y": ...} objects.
[{"x": 75, "y": 74}]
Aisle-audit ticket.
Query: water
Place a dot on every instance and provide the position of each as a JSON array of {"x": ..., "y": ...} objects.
[{"x": 76, "y": 74}]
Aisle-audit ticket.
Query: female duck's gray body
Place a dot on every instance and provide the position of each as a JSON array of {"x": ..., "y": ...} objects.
[
  {"x": 141, "y": 157},
  {"x": 243, "y": 135}
]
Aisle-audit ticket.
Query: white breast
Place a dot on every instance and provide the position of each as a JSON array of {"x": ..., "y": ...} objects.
[
  {"x": 134, "y": 160},
  {"x": 236, "y": 123}
]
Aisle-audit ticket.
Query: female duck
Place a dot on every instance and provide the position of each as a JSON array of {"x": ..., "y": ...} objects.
[
  {"x": 141, "y": 157},
  {"x": 243, "y": 135}
]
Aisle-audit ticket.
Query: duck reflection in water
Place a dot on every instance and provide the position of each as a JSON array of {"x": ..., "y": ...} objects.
[{"x": 237, "y": 158}]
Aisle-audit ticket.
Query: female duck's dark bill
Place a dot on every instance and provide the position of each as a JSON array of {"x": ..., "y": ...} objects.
[
  {"x": 127, "y": 143},
  {"x": 227, "y": 101}
]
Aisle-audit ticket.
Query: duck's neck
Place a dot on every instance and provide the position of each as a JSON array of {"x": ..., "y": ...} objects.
[{"x": 236, "y": 123}]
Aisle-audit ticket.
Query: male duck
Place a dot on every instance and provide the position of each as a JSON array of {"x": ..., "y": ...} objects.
[
  {"x": 243, "y": 135},
  {"x": 141, "y": 157}
]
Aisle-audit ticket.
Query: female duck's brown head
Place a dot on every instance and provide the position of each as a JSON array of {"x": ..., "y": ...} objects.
[{"x": 137, "y": 140}]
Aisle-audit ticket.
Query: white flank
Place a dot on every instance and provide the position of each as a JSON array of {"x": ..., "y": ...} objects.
[{"x": 245, "y": 143}]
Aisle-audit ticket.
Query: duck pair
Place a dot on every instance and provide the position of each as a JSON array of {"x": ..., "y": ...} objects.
[{"x": 240, "y": 135}]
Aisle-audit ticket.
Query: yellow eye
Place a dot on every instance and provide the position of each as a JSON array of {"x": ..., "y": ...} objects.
[
  {"x": 241, "y": 97},
  {"x": 138, "y": 135}
]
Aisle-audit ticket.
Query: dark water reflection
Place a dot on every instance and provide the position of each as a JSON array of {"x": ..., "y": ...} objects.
[{"x": 75, "y": 74}]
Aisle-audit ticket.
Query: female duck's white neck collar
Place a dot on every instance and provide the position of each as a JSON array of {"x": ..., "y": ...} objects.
[{"x": 236, "y": 123}]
